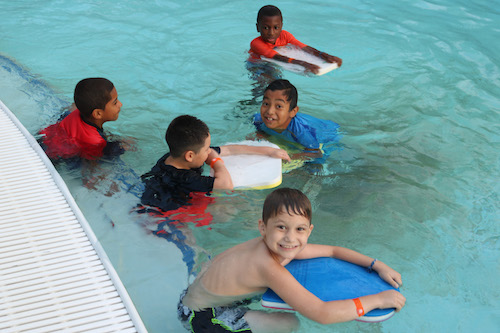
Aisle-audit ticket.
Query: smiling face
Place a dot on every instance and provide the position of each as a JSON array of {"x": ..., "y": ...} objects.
[
  {"x": 270, "y": 28},
  {"x": 286, "y": 235},
  {"x": 275, "y": 110}
]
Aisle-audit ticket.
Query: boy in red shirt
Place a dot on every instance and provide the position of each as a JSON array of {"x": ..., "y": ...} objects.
[
  {"x": 270, "y": 24},
  {"x": 80, "y": 134}
]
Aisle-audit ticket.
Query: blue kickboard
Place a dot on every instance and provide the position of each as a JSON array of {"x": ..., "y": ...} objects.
[{"x": 333, "y": 279}]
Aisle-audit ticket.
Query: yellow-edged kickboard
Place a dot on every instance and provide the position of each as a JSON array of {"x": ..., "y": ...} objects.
[{"x": 254, "y": 171}]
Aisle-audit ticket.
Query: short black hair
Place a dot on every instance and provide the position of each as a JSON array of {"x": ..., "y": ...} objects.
[
  {"x": 92, "y": 93},
  {"x": 267, "y": 11},
  {"x": 289, "y": 91},
  {"x": 186, "y": 133},
  {"x": 289, "y": 200}
]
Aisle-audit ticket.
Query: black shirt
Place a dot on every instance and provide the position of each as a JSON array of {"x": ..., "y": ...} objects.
[{"x": 169, "y": 188}]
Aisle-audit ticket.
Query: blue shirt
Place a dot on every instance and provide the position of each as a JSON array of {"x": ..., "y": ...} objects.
[{"x": 304, "y": 129}]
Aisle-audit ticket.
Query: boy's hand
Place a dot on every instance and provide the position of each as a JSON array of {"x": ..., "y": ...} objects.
[
  {"x": 332, "y": 59},
  {"x": 310, "y": 67},
  {"x": 213, "y": 154},
  {"x": 388, "y": 274},
  {"x": 128, "y": 143},
  {"x": 280, "y": 153},
  {"x": 391, "y": 299}
]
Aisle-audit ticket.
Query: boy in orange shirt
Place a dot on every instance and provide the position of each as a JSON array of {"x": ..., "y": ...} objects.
[{"x": 270, "y": 25}]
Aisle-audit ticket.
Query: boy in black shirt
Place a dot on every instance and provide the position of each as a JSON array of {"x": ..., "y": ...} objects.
[{"x": 170, "y": 183}]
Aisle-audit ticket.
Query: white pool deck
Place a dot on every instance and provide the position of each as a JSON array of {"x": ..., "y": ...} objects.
[{"x": 54, "y": 273}]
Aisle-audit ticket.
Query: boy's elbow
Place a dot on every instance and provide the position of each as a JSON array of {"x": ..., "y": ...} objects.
[
  {"x": 327, "y": 319},
  {"x": 324, "y": 321},
  {"x": 325, "y": 315},
  {"x": 226, "y": 184},
  {"x": 229, "y": 185}
]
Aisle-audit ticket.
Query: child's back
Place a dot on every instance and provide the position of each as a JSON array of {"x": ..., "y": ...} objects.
[{"x": 209, "y": 290}]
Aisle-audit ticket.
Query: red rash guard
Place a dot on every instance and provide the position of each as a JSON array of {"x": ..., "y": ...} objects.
[{"x": 72, "y": 137}]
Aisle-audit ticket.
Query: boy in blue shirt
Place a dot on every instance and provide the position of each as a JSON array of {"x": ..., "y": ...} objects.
[{"x": 279, "y": 117}]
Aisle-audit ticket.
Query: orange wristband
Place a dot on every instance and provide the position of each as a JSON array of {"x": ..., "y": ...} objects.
[
  {"x": 290, "y": 60},
  {"x": 359, "y": 307},
  {"x": 215, "y": 160}
]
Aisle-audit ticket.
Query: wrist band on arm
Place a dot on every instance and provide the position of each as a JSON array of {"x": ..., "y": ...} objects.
[
  {"x": 370, "y": 268},
  {"x": 215, "y": 160},
  {"x": 290, "y": 59},
  {"x": 359, "y": 307}
]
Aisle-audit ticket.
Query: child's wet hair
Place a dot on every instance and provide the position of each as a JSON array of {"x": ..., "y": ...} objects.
[
  {"x": 186, "y": 133},
  {"x": 288, "y": 200},
  {"x": 289, "y": 91},
  {"x": 267, "y": 11},
  {"x": 92, "y": 93}
]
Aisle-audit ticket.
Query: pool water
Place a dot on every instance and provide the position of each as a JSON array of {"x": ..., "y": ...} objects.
[{"x": 417, "y": 98}]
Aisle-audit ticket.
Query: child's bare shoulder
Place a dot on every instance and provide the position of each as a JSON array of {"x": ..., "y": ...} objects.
[{"x": 253, "y": 253}]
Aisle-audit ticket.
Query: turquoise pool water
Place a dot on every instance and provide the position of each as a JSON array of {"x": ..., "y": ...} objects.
[{"x": 416, "y": 184}]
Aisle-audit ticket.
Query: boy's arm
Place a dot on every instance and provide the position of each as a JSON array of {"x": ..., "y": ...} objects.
[
  {"x": 325, "y": 56},
  {"x": 308, "y": 66},
  {"x": 117, "y": 145},
  {"x": 222, "y": 177},
  {"x": 385, "y": 272},
  {"x": 308, "y": 154},
  {"x": 254, "y": 150},
  {"x": 294, "y": 294}
]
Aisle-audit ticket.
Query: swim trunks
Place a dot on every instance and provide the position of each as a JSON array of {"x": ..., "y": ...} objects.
[{"x": 220, "y": 319}]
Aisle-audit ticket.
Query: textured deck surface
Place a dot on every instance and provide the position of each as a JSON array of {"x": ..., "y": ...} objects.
[{"x": 54, "y": 274}]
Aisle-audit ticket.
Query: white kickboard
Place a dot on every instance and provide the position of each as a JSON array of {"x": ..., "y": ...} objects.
[
  {"x": 292, "y": 51},
  {"x": 253, "y": 171}
]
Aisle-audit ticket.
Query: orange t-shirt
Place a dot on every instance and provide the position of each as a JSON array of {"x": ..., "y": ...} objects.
[{"x": 259, "y": 47}]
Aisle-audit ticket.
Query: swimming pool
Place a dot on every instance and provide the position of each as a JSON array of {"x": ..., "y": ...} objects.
[{"x": 416, "y": 184}]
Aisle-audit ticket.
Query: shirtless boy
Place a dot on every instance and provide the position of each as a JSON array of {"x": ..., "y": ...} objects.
[{"x": 248, "y": 269}]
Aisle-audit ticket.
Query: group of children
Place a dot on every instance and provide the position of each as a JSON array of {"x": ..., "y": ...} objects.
[{"x": 213, "y": 302}]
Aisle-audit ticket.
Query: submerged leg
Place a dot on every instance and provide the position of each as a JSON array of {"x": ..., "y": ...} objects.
[{"x": 272, "y": 322}]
